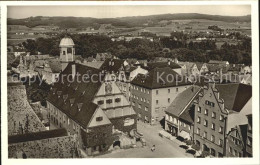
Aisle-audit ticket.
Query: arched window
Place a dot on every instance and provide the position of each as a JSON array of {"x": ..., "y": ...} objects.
[{"x": 69, "y": 50}]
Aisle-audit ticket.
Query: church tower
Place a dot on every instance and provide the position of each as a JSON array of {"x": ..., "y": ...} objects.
[{"x": 67, "y": 51}]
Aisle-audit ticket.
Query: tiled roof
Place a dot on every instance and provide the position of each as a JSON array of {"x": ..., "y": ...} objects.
[
  {"x": 183, "y": 102},
  {"x": 235, "y": 95},
  {"x": 76, "y": 94},
  {"x": 153, "y": 65},
  {"x": 37, "y": 135},
  {"x": 217, "y": 62},
  {"x": 217, "y": 67},
  {"x": 112, "y": 65},
  {"x": 157, "y": 78},
  {"x": 55, "y": 66}
]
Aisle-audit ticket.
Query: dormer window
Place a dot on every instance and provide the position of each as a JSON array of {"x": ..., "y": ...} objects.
[
  {"x": 100, "y": 102},
  {"x": 80, "y": 106},
  {"x": 65, "y": 97},
  {"x": 72, "y": 101},
  {"x": 59, "y": 93}
]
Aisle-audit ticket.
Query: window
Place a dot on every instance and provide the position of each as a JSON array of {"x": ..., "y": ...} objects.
[
  {"x": 198, "y": 131},
  {"x": 205, "y": 123},
  {"x": 169, "y": 90},
  {"x": 68, "y": 121},
  {"x": 235, "y": 152},
  {"x": 64, "y": 53},
  {"x": 213, "y": 126},
  {"x": 198, "y": 120},
  {"x": 133, "y": 103},
  {"x": 220, "y": 130},
  {"x": 141, "y": 99},
  {"x": 205, "y": 135},
  {"x": 69, "y": 50},
  {"x": 221, "y": 117},
  {"x": 169, "y": 100},
  {"x": 189, "y": 127},
  {"x": 157, "y": 101},
  {"x": 239, "y": 154},
  {"x": 199, "y": 109},
  {"x": 146, "y": 108},
  {"x": 144, "y": 100},
  {"x": 99, "y": 118},
  {"x": 212, "y": 138},
  {"x": 100, "y": 102},
  {"x": 148, "y": 92},
  {"x": 167, "y": 117},
  {"x": 109, "y": 101},
  {"x": 180, "y": 123},
  {"x": 148, "y": 101},
  {"x": 230, "y": 150},
  {"x": 157, "y": 92},
  {"x": 213, "y": 115},
  {"x": 139, "y": 106},
  {"x": 206, "y": 112},
  {"x": 220, "y": 142},
  {"x": 117, "y": 100},
  {"x": 171, "y": 118},
  {"x": 184, "y": 125},
  {"x": 141, "y": 89},
  {"x": 176, "y": 89}
]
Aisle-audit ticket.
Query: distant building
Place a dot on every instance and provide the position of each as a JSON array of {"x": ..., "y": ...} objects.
[
  {"x": 103, "y": 56},
  {"x": 218, "y": 62},
  {"x": 67, "y": 51},
  {"x": 150, "y": 96},
  {"x": 202, "y": 67}
]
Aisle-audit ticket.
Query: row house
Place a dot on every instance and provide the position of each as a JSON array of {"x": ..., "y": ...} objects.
[
  {"x": 179, "y": 116},
  {"x": 152, "y": 93},
  {"x": 217, "y": 110}
]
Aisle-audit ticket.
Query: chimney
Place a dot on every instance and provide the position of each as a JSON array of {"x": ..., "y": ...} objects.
[{"x": 73, "y": 70}]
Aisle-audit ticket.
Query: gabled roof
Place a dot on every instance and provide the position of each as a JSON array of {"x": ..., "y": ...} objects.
[
  {"x": 235, "y": 95},
  {"x": 68, "y": 97},
  {"x": 157, "y": 78},
  {"x": 199, "y": 64},
  {"x": 217, "y": 67},
  {"x": 182, "y": 104}
]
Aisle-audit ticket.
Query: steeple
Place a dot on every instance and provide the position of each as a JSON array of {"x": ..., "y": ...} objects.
[{"x": 67, "y": 51}]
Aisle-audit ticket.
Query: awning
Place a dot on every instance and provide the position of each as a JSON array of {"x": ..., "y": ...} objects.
[{"x": 185, "y": 135}]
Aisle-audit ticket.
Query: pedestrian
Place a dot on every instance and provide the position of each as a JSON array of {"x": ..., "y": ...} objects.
[{"x": 153, "y": 148}]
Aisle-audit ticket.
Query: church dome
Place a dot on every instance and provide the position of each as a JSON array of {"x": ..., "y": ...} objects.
[{"x": 66, "y": 41}]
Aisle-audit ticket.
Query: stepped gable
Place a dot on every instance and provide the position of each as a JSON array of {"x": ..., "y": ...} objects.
[{"x": 75, "y": 98}]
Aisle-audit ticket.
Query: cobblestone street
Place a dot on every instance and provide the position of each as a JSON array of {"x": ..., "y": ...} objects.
[{"x": 164, "y": 148}]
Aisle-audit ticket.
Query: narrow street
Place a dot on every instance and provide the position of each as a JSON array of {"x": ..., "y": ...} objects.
[{"x": 164, "y": 148}]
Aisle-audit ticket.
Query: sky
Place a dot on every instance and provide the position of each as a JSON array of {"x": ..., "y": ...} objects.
[{"x": 110, "y": 11}]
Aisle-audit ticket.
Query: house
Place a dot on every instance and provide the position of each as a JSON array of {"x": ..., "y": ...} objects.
[
  {"x": 93, "y": 109},
  {"x": 174, "y": 66},
  {"x": 153, "y": 92},
  {"x": 217, "y": 111},
  {"x": 202, "y": 67},
  {"x": 103, "y": 56},
  {"x": 179, "y": 116},
  {"x": 226, "y": 63},
  {"x": 246, "y": 70},
  {"x": 249, "y": 151},
  {"x": 19, "y": 51},
  {"x": 189, "y": 69}
]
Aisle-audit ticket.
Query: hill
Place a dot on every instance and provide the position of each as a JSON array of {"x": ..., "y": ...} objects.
[{"x": 134, "y": 21}]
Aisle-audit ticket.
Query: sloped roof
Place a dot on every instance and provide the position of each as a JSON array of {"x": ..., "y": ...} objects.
[
  {"x": 217, "y": 62},
  {"x": 235, "y": 95},
  {"x": 217, "y": 67},
  {"x": 157, "y": 78},
  {"x": 81, "y": 92},
  {"x": 112, "y": 65},
  {"x": 153, "y": 65},
  {"x": 183, "y": 102},
  {"x": 37, "y": 135},
  {"x": 199, "y": 64},
  {"x": 55, "y": 66}
]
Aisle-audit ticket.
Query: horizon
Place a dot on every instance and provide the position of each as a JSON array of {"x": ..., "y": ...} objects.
[{"x": 107, "y": 11}]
